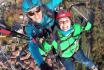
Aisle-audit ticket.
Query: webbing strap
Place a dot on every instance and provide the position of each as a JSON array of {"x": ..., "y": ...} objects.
[
  {"x": 5, "y": 31},
  {"x": 59, "y": 52}
]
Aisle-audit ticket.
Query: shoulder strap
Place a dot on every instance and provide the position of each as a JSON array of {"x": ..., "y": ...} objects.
[{"x": 59, "y": 52}]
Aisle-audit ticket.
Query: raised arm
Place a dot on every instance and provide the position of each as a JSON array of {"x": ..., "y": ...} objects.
[
  {"x": 78, "y": 29},
  {"x": 87, "y": 26}
]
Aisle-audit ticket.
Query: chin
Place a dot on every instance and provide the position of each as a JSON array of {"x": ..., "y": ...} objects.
[
  {"x": 65, "y": 30},
  {"x": 38, "y": 21}
]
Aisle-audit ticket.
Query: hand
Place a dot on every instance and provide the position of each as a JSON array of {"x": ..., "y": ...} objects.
[{"x": 41, "y": 40}]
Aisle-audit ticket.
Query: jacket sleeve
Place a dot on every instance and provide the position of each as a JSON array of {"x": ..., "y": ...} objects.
[
  {"x": 47, "y": 46},
  {"x": 33, "y": 47},
  {"x": 77, "y": 29},
  {"x": 87, "y": 26},
  {"x": 28, "y": 30},
  {"x": 52, "y": 4}
]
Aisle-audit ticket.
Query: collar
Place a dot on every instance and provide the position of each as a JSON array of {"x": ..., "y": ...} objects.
[{"x": 66, "y": 33}]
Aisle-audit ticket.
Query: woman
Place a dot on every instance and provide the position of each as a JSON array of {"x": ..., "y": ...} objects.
[{"x": 66, "y": 41}]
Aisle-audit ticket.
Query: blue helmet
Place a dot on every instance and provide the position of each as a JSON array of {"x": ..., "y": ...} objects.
[{"x": 28, "y": 4}]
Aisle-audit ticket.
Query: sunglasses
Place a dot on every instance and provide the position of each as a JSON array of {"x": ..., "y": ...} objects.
[{"x": 37, "y": 10}]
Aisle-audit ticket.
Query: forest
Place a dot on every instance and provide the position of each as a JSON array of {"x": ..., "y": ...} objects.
[{"x": 92, "y": 42}]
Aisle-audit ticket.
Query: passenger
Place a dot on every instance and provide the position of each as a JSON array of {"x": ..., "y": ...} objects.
[{"x": 66, "y": 41}]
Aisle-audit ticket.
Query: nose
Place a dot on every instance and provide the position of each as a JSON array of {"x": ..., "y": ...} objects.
[
  {"x": 36, "y": 15},
  {"x": 64, "y": 22}
]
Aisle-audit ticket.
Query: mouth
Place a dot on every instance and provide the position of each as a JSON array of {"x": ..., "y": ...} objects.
[{"x": 65, "y": 27}]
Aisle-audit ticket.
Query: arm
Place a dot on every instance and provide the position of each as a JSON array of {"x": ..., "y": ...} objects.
[
  {"x": 52, "y": 4},
  {"x": 33, "y": 47},
  {"x": 47, "y": 46},
  {"x": 78, "y": 29},
  {"x": 87, "y": 26},
  {"x": 28, "y": 30}
]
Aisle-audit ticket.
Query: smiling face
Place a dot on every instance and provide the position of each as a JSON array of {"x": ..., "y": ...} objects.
[
  {"x": 35, "y": 14},
  {"x": 64, "y": 23}
]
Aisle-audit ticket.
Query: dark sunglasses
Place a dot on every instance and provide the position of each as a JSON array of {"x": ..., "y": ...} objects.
[{"x": 31, "y": 13}]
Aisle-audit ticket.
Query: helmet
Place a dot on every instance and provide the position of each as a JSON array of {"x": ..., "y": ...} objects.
[
  {"x": 28, "y": 4},
  {"x": 63, "y": 13}
]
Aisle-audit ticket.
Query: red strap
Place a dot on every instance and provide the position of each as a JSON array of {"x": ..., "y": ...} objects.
[
  {"x": 5, "y": 31},
  {"x": 33, "y": 40}
]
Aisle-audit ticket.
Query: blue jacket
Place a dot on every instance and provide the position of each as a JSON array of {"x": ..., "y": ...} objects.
[{"x": 46, "y": 22}]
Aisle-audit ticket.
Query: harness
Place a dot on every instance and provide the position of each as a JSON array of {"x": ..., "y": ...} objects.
[{"x": 59, "y": 51}]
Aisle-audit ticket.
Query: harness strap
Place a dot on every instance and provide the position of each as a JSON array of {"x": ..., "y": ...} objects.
[
  {"x": 69, "y": 46},
  {"x": 5, "y": 31},
  {"x": 59, "y": 51}
]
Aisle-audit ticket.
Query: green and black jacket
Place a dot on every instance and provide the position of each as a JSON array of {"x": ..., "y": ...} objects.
[{"x": 67, "y": 44}]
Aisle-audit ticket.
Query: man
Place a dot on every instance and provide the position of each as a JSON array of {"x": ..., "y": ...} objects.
[{"x": 38, "y": 22}]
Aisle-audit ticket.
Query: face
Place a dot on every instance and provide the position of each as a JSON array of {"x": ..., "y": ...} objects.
[
  {"x": 64, "y": 23},
  {"x": 35, "y": 14}
]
